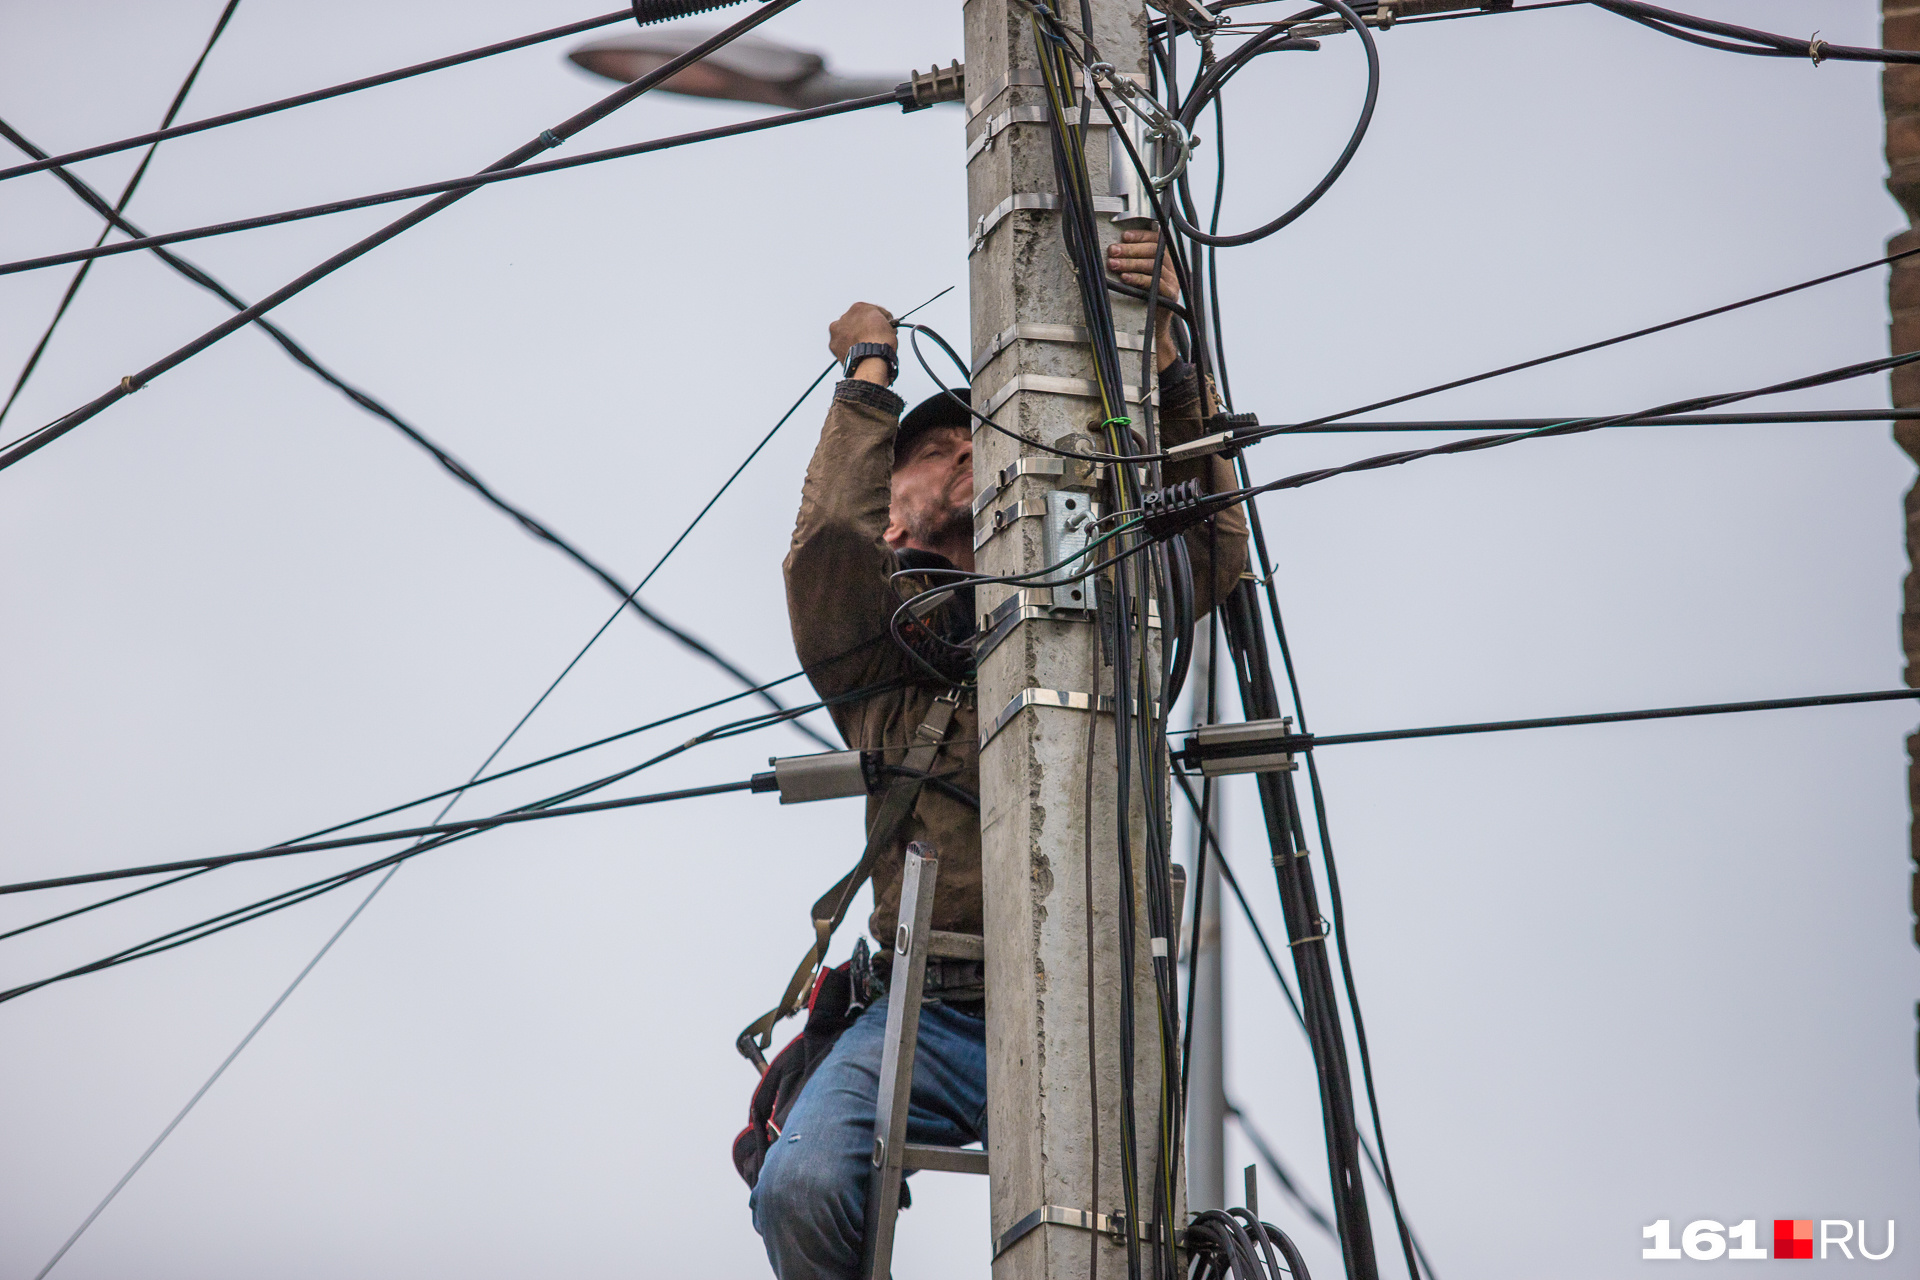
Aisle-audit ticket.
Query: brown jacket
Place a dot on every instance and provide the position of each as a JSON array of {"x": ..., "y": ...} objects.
[{"x": 839, "y": 599}]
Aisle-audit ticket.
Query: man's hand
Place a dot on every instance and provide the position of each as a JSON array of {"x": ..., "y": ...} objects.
[
  {"x": 863, "y": 322},
  {"x": 1131, "y": 258}
]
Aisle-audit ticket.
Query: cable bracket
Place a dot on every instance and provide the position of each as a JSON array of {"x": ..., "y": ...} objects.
[
  {"x": 1085, "y": 388},
  {"x": 1162, "y": 127},
  {"x": 1030, "y": 202},
  {"x": 1071, "y": 334},
  {"x": 1065, "y": 699},
  {"x": 1113, "y": 1226},
  {"x": 1002, "y": 121}
]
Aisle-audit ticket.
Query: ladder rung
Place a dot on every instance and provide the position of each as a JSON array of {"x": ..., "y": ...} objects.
[
  {"x": 957, "y": 946},
  {"x": 918, "y": 1155}
]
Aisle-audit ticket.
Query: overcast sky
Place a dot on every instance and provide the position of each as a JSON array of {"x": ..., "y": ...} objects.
[{"x": 1611, "y": 974}]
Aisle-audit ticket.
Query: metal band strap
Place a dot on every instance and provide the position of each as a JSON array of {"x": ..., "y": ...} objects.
[
  {"x": 1055, "y": 1215},
  {"x": 896, "y": 805}
]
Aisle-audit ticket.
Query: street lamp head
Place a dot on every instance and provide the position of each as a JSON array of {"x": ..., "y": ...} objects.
[{"x": 749, "y": 68}]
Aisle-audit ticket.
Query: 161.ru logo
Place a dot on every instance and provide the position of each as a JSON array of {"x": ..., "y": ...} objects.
[{"x": 1705, "y": 1240}]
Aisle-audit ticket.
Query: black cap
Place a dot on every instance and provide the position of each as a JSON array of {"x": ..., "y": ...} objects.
[{"x": 937, "y": 410}]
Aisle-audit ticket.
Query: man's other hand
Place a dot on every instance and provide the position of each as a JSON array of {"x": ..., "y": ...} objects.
[
  {"x": 1131, "y": 259},
  {"x": 863, "y": 322}
]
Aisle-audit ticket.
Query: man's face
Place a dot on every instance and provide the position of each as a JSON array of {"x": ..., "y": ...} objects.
[{"x": 933, "y": 491}]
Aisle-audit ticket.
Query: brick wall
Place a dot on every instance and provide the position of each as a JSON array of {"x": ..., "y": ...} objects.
[{"x": 1900, "y": 87}]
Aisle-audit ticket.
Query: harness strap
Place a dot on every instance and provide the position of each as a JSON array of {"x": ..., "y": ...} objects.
[{"x": 896, "y": 805}]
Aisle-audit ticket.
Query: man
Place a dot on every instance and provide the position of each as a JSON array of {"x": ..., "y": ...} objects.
[{"x": 884, "y": 493}]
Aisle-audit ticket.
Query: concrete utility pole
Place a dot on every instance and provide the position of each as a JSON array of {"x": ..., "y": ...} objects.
[
  {"x": 1038, "y": 687},
  {"x": 1900, "y": 29}
]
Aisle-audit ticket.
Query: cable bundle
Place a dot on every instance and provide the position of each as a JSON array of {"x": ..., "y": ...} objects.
[{"x": 1235, "y": 1245}]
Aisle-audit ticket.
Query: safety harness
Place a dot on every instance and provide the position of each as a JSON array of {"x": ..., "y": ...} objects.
[{"x": 896, "y": 804}]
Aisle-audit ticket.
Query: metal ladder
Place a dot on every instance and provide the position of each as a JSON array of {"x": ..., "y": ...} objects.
[{"x": 893, "y": 1155}]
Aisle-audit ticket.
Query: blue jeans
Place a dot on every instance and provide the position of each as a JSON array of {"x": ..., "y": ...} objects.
[{"x": 810, "y": 1205}]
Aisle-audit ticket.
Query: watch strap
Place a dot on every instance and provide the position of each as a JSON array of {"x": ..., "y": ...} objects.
[{"x": 868, "y": 350}]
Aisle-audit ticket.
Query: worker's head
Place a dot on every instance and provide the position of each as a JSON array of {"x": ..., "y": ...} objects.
[{"x": 932, "y": 504}]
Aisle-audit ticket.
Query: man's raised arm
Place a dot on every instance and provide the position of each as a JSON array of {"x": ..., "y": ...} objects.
[
  {"x": 839, "y": 597},
  {"x": 1218, "y": 547}
]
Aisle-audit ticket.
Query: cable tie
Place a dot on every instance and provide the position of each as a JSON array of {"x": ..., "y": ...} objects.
[
  {"x": 550, "y": 139},
  {"x": 1318, "y": 937},
  {"x": 1815, "y": 46},
  {"x": 128, "y": 386}
]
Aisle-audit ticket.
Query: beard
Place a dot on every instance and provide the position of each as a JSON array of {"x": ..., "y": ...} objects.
[
  {"x": 943, "y": 519},
  {"x": 938, "y": 522}
]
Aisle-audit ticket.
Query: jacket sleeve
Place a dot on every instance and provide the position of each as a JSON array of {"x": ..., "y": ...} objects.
[
  {"x": 839, "y": 596},
  {"x": 1217, "y": 547}
]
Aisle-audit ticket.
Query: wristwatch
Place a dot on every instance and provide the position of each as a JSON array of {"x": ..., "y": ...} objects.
[{"x": 884, "y": 350}]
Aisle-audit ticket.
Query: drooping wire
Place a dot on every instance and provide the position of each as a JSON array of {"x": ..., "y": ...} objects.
[
  {"x": 426, "y": 799},
  {"x": 462, "y": 184},
  {"x": 374, "y": 406},
  {"x": 1584, "y": 348},
  {"x": 1735, "y": 39},
  {"x": 547, "y": 138},
  {"x": 316, "y": 95},
  {"x": 1572, "y": 427},
  {"x": 126, "y": 197},
  {"x": 433, "y": 836},
  {"x": 1213, "y": 79},
  {"x": 1577, "y": 426},
  {"x": 391, "y": 871}
]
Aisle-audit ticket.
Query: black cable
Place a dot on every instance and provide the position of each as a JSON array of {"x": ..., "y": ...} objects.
[
  {"x": 1092, "y": 949},
  {"x": 723, "y": 731},
  {"x": 1761, "y": 44},
  {"x": 1293, "y": 1005},
  {"x": 1280, "y": 1172},
  {"x": 461, "y": 184},
  {"x": 1210, "y": 840},
  {"x": 119, "y": 206},
  {"x": 938, "y": 781},
  {"x": 451, "y": 464},
  {"x": 513, "y": 159},
  {"x": 1584, "y": 348},
  {"x": 913, "y": 340},
  {"x": 1320, "y": 1014},
  {"x": 229, "y": 919},
  {"x": 1274, "y": 39},
  {"x": 1081, "y": 242},
  {"x": 316, "y": 95},
  {"x": 449, "y": 833},
  {"x": 373, "y": 837},
  {"x": 1310, "y": 741},
  {"x": 1306, "y": 933},
  {"x": 1234, "y": 1246},
  {"x": 1672, "y": 420},
  {"x": 95, "y": 906},
  {"x": 480, "y": 781},
  {"x": 1577, "y": 426}
]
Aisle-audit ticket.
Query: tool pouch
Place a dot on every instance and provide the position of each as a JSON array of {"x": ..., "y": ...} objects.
[{"x": 840, "y": 995}]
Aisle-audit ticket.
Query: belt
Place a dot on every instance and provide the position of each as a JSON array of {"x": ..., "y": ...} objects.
[
  {"x": 955, "y": 979},
  {"x": 951, "y": 981}
]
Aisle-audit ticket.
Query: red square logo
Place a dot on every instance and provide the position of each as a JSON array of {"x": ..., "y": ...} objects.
[{"x": 1793, "y": 1237}]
